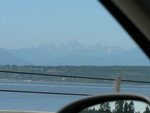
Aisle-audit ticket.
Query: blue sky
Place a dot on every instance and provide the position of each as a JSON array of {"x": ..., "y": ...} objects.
[{"x": 26, "y": 23}]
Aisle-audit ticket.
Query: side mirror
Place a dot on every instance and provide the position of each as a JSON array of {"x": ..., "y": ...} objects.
[{"x": 110, "y": 103}]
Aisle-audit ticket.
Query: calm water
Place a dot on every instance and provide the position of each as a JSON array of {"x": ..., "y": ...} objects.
[{"x": 45, "y": 102}]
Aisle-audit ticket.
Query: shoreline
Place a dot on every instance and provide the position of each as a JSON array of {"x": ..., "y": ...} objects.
[{"x": 71, "y": 83}]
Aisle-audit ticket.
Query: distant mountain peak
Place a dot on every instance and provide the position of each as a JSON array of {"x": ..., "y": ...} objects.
[
  {"x": 72, "y": 45},
  {"x": 47, "y": 46},
  {"x": 72, "y": 42},
  {"x": 72, "y": 53},
  {"x": 44, "y": 45},
  {"x": 101, "y": 45}
]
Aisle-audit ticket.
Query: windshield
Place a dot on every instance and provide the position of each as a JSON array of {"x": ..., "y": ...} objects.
[{"x": 55, "y": 52}]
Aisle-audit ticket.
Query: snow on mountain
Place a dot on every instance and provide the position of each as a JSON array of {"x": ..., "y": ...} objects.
[
  {"x": 75, "y": 46},
  {"x": 71, "y": 45},
  {"x": 76, "y": 53}
]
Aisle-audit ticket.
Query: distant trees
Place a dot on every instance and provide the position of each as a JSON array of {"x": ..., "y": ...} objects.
[{"x": 125, "y": 72}]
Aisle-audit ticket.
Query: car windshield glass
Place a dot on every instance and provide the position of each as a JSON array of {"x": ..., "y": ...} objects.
[{"x": 53, "y": 52}]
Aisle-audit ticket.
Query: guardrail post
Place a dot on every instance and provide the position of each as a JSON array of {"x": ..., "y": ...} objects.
[{"x": 117, "y": 85}]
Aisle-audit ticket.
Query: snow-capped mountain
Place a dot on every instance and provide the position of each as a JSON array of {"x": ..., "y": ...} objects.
[{"x": 76, "y": 53}]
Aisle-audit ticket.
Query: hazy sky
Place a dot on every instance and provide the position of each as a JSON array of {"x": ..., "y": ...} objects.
[{"x": 26, "y": 23}]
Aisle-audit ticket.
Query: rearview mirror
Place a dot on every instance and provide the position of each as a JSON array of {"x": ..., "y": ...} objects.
[
  {"x": 110, "y": 103},
  {"x": 119, "y": 106}
]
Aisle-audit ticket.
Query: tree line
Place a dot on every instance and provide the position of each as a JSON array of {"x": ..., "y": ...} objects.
[
  {"x": 125, "y": 72},
  {"x": 119, "y": 107}
]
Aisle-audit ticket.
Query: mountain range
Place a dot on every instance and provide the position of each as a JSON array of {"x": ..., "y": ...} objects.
[{"x": 73, "y": 53}]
